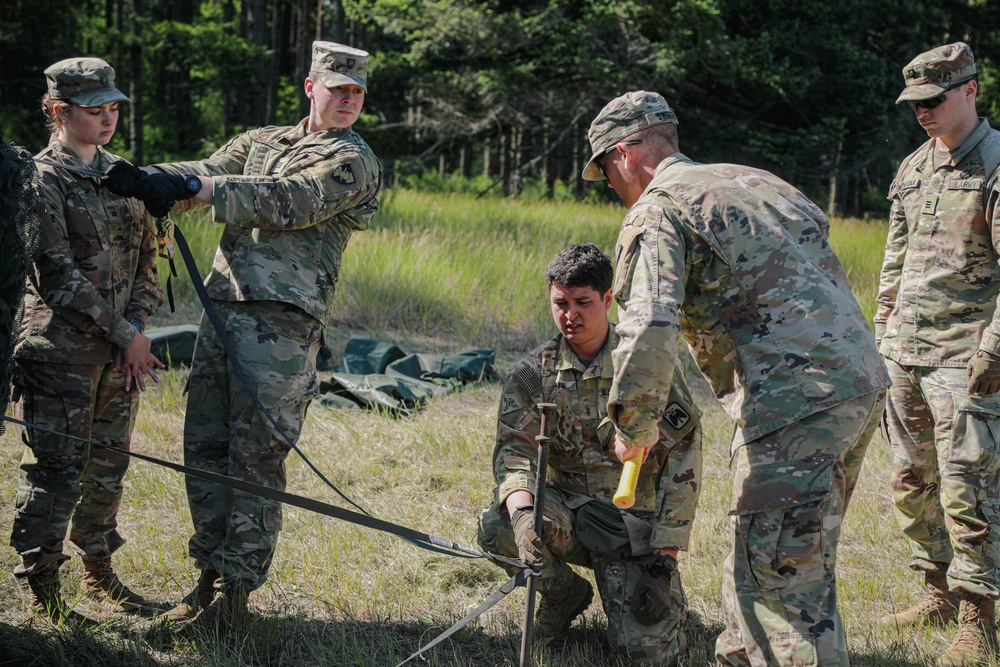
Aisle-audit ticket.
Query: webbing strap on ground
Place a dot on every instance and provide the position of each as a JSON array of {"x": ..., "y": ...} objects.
[
  {"x": 412, "y": 536},
  {"x": 317, "y": 506},
  {"x": 517, "y": 580}
]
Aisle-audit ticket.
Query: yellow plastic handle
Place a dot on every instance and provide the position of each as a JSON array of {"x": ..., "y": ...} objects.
[{"x": 625, "y": 495}]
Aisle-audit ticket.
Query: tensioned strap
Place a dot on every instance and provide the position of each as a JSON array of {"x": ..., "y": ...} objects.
[{"x": 317, "y": 506}]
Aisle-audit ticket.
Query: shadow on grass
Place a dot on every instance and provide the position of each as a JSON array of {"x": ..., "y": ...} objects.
[{"x": 301, "y": 640}]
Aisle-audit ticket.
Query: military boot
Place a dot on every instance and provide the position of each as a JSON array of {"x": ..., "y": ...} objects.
[
  {"x": 556, "y": 610},
  {"x": 193, "y": 602},
  {"x": 101, "y": 583},
  {"x": 939, "y": 605},
  {"x": 46, "y": 601},
  {"x": 976, "y": 642},
  {"x": 227, "y": 612}
]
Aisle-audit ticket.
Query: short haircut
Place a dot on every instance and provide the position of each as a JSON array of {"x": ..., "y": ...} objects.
[{"x": 581, "y": 265}]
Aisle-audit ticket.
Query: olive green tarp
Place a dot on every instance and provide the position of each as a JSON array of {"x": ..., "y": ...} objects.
[{"x": 373, "y": 375}]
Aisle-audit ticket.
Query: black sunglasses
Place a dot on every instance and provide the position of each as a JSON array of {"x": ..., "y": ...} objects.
[
  {"x": 933, "y": 102},
  {"x": 599, "y": 161}
]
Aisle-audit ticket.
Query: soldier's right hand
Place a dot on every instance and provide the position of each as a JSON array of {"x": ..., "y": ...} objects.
[
  {"x": 984, "y": 373},
  {"x": 651, "y": 599},
  {"x": 529, "y": 540},
  {"x": 123, "y": 179}
]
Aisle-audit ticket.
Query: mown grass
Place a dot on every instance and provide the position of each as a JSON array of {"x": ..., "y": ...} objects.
[{"x": 436, "y": 273}]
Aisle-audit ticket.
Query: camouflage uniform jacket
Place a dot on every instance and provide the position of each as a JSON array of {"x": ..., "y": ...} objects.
[
  {"x": 940, "y": 278},
  {"x": 739, "y": 261},
  {"x": 95, "y": 271},
  {"x": 582, "y": 461},
  {"x": 289, "y": 200}
]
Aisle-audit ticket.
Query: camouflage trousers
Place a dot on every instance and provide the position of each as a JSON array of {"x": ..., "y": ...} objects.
[
  {"x": 66, "y": 485},
  {"x": 235, "y": 533},
  {"x": 791, "y": 491},
  {"x": 946, "y": 474},
  {"x": 616, "y": 571}
]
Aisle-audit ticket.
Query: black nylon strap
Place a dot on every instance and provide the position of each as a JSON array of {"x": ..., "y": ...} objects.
[
  {"x": 502, "y": 592},
  {"x": 220, "y": 331},
  {"x": 317, "y": 506}
]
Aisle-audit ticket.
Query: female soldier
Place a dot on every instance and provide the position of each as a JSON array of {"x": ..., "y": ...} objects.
[{"x": 81, "y": 350}]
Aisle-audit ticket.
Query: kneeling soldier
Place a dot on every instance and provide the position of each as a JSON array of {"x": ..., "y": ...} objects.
[{"x": 632, "y": 553}]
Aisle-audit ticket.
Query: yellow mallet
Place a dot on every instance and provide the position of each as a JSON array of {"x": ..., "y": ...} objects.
[{"x": 625, "y": 495}]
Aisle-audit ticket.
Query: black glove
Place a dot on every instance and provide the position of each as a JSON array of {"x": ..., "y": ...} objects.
[
  {"x": 651, "y": 597},
  {"x": 530, "y": 541},
  {"x": 160, "y": 191},
  {"x": 123, "y": 179}
]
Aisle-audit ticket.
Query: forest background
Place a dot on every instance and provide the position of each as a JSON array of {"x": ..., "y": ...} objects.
[{"x": 496, "y": 95}]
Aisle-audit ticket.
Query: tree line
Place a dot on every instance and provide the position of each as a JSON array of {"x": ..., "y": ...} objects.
[{"x": 503, "y": 91}]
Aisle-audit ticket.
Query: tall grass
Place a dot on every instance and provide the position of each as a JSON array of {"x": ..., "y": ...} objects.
[{"x": 435, "y": 272}]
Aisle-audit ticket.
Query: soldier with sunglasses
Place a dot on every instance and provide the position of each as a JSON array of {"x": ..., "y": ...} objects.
[{"x": 938, "y": 331}]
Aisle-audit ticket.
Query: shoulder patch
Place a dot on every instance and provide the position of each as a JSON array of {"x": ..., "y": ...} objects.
[
  {"x": 344, "y": 174},
  {"x": 509, "y": 403},
  {"x": 676, "y": 416},
  {"x": 529, "y": 380}
]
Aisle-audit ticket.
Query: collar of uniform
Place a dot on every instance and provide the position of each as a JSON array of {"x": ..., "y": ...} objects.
[
  {"x": 66, "y": 155},
  {"x": 671, "y": 160},
  {"x": 971, "y": 141},
  {"x": 601, "y": 366}
]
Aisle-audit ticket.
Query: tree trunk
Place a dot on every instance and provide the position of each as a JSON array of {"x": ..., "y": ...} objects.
[
  {"x": 135, "y": 89},
  {"x": 255, "y": 22},
  {"x": 832, "y": 208}
]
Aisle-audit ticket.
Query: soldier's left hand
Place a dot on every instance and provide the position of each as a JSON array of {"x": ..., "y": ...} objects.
[
  {"x": 625, "y": 451},
  {"x": 984, "y": 373}
]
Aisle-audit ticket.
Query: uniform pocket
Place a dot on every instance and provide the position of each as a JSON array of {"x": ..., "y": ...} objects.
[
  {"x": 35, "y": 503},
  {"x": 626, "y": 256},
  {"x": 976, "y": 433}
]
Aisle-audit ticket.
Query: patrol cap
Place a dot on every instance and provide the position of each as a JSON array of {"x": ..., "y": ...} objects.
[
  {"x": 88, "y": 82},
  {"x": 339, "y": 65},
  {"x": 620, "y": 118},
  {"x": 933, "y": 72}
]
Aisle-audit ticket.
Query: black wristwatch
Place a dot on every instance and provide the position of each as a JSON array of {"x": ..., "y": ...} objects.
[
  {"x": 193, "y": 184},
  {"x": 663, "y": 564}
]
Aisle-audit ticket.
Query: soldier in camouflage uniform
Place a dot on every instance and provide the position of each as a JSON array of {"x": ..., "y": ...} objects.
[
  {"x": 290, "y": 197},
  {"x": 91, "y": 289},
  {"x": 737, "y": 261},
  {"x": 940, "y": 337},
  {"x": 633, "y": 553}
]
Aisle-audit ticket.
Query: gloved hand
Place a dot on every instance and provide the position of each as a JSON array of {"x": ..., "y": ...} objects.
[
  {"x": 651, "y": 597},
  {"x": 160, "y": 191},
  {"x": 984, "y": 373},
  {"x": 123, "y": 179},
  {"x": 530, "y": 541}
]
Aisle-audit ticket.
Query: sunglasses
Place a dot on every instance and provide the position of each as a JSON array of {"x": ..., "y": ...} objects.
[
  {"x": 933, "y": 102},
  {"x": 600, "y": 161}
]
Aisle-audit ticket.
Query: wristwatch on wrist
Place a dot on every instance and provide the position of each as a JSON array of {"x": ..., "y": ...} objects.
[
  {"x": 193, "y": 184},
  {"x": 663, "y": 564},
  {"x": 138, "y": 326}
]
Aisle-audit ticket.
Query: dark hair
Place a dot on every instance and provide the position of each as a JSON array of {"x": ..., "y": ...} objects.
[
  {"x": 49, "y": 109},
  {"x": 581, "y": 265}
]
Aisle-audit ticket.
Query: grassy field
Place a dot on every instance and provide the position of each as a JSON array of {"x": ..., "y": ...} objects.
[{"x": 436, "y": 274}]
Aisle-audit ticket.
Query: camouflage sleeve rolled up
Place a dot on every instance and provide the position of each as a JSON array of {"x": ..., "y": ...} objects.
[
  {"x": 518, "y": 422},
  {"x": 649, "y": 286}
]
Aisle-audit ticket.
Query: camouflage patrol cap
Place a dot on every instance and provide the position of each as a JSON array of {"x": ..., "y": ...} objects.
[
  {"x": 620, "y": 118},
  {"x": 88, "y": 82},
  {"x": 339, "y": 65},
  {"x": 933, "y": 72}
]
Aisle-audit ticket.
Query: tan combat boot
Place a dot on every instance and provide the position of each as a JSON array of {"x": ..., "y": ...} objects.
[
  {"x": 976, "y": 643},
  {"x": 557, "y": 610},
  {"x": 193, "y": 602},
  {"x": 101, "y": 583},
  {"x": 939, "y": 605},
  {"x": 228, "y": 612},
  {"x": 46, "y": 601}
]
